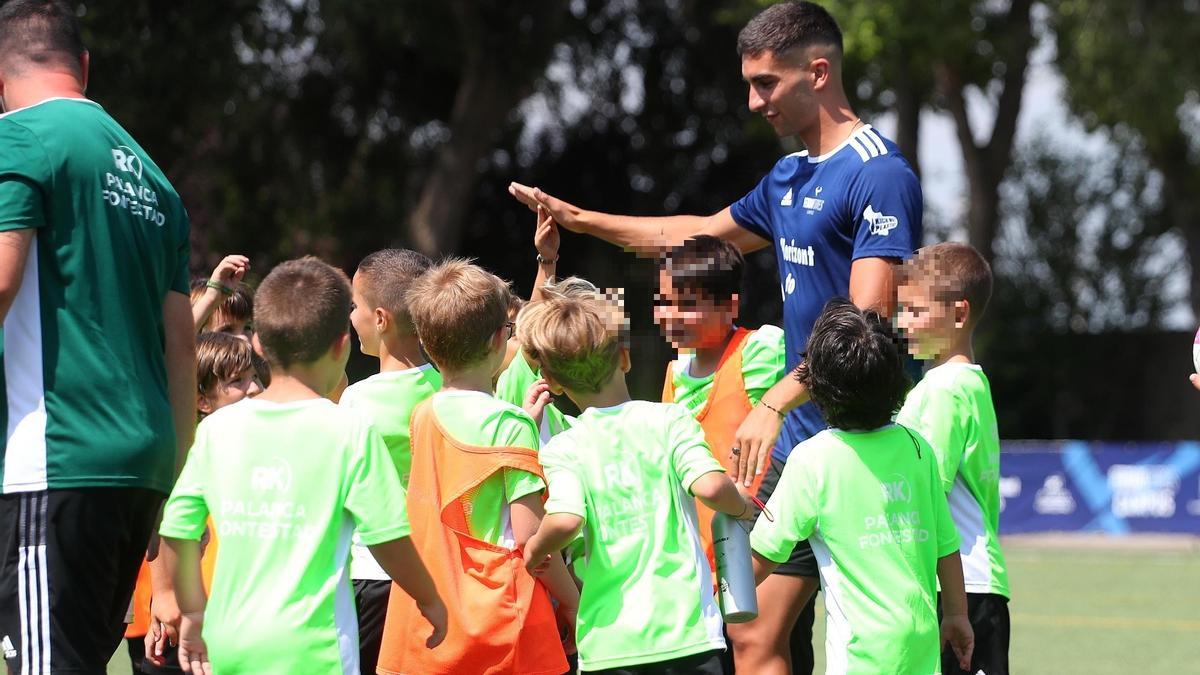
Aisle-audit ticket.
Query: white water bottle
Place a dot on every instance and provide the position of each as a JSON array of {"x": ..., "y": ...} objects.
[{"x": 735, "y": 572}]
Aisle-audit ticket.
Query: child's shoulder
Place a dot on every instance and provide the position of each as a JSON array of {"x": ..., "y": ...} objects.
[{"x": 967, "y": 378}]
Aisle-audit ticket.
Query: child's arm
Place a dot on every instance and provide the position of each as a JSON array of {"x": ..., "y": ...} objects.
[
  {"x": 399, "y": 558},
  {"x": 528, "y": 520},
  {"x": 719, "y": 493},
  {"x": 554, "y": 534},
  {"x": 956, "y": 627},
  {"x": 228, "y": 272},
  {"x": 546, "y": 241},
  {"x": 179, "y": 562}
]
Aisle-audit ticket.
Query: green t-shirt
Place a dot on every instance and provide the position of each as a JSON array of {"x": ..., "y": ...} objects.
[
  {"x": 474, "y": 418},
  {"x": 951, "y": 407},
  {"x": 871, "y": 506},
  {"x": 84, "y": 371},
  {"x": 286, "y": 484},
  {"x": 647, "y": 590},
  {"x": 389, "y": 399},
  {"x": 512, "y": 386},
  {"x": 763, "y": 364}
]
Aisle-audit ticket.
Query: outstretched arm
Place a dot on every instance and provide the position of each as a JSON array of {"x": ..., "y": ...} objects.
[{"x": 644, "y": 236}]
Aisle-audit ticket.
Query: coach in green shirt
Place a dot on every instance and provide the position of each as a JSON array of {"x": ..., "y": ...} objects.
[{"x": 99, "y": 365}]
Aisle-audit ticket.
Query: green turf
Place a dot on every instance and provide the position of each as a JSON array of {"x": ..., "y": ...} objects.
[{"x": 1098, "y": 612}]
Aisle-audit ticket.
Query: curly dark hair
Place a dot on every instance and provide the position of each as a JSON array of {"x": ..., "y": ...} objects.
[{"x": 854, "y": 367}]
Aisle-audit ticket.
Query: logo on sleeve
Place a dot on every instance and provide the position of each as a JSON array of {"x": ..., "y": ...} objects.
[{"x": 880, "y": 223}]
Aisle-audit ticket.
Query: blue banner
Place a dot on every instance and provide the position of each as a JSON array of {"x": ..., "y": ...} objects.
[{"x": 1116, "y": 488}]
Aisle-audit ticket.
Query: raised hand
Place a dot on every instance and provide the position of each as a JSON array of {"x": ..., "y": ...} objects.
[{"x": 565, "y": 214}]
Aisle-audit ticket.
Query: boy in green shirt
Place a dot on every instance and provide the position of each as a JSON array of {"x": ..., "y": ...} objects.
[
  {"x": 287, "y": 477},
  {"x": 942, "y": 294},
  {"x": 385, "y": 331},
  {"x": 866, "y": 495},
  {"x": 626, "y": 474}
]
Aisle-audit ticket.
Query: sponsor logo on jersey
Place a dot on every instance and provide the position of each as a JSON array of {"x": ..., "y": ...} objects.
[
  {"x": 787, "y": 198},
  {"x": 880, "y": 223},
  {"x": 800, "y": 255},
  {"x": 788, "y": 286},
  {"x": 896, "y": 489},
  {"x": 275, "y": 477},
  {"x": 815, "y": 203},
  {"x": 127, "y": 160}
]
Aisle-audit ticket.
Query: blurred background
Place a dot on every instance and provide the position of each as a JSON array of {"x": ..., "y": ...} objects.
[{"x": 1061, "y": 138}]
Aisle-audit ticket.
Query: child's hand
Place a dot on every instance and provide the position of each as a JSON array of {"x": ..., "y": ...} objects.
[
  {"x": 536, "y": 400},
  {"x": 164, "y": 627},
  {"x": 567, "y": 617},
  {"x": 752, "y": 444},
  {"x": 230, "y": 270},
  {"x": 193, "y": 653},
  {"x": 749, "y": 513},
  {"x": 957, "y": 631},
  {"x": 435, "y": 614},
  {"x": 546, "y": 237}
]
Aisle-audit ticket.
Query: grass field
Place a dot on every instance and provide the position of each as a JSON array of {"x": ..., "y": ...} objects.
[{"x": 1086, "y": 607}]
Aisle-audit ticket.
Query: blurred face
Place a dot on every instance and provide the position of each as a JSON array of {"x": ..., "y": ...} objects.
[
  {"x": 783, "y": 88},
  {"x": 230, "y": 390},
  {"x": 929, "y": 325},
  {"x": 239, "y": 328},
  {"x": 688, "y": 320},
  {"x": 362, "y": 318}
]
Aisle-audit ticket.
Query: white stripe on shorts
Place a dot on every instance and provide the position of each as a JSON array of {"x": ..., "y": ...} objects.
[{"x": 32, "y": 583}]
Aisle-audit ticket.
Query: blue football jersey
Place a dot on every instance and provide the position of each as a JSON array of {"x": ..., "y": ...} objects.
[{"x": 860, "y": 200}]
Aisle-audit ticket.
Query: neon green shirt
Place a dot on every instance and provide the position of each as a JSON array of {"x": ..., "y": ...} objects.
[
  {"x": 647, "y": 589},
  {"x": 952, "y": 408},
  {"x": 763, "y": 364},
  {"x": 286, "y": 484},
  {"x": 474, "y": 418},
  {"x": 83, "y": 382},
  {"x": 512, "y": 385},
  {"x": 389, "y": 399},
  {"x": 871, "y": 506}
]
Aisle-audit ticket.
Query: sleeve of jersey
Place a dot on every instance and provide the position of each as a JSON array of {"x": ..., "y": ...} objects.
[
  {"x": 181, "y": 280},
  {"x": 886, "y": 207},
  {"x": 519, "y": 430},
  {"x": 793, "y": 515},
  {"x": 566, "y": 488},
  {"x": 690, "y": 455},
  {"x": 940, "y": 420},
  {"x": 763, "y": 361},
  {"x": 948, "y": 540},
  {"x": 752, "y": 212},
  {"x": 186, "y": 511},
  {"x": 515, "y": 380},
  {"x": 24, "y": 170},
  {"x": 375, "y": 497}
]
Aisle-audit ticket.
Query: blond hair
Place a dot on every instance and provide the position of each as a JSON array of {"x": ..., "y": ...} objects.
[
  {"x": 576, "y": 340},
  {"x": 457, "y": 307},
  {"x": 952, "y": 271}
]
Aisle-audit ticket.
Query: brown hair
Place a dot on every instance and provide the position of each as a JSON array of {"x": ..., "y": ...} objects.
[
  {"x": 456, "y": 308},
  {"x": 788, "y": 25},
  {"x": 236, "y": 307},
  {"x": 386, "y": 277},
  {"x": 575, "y": 340},
  {"x": 220, "y": 357},
  {"x": 303, "y": 307},
  {"x": 39, "y": 33},
  {"x": 954, "y": 272}
]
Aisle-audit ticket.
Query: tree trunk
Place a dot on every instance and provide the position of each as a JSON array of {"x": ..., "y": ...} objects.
[
  {"x": 908, "y": 116},
  {"x": 1181, "y": 203},
  {"x": 505, "y": 49},
  {"x": 986, "y": 164}
]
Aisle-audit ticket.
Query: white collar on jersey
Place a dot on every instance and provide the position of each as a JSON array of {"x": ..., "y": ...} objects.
[{"x": 865, "y": 140}]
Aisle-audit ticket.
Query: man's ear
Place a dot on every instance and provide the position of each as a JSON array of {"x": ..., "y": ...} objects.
[
  {"x": 85, "y": 61},
  {"x": 962, "y": 313},
  {"x": 623, "y": 360},
  {"x": 821, "y": 71}
]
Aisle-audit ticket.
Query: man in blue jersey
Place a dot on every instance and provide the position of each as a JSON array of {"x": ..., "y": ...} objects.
[{"x": 839, "y": 216}]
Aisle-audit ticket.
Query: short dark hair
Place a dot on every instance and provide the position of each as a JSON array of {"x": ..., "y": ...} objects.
[
  {"x": 220, "y": 357},
  {"x": 706, "y": 265},
  {"x": 386, "y": 276},
  {"x": 39, "y": 32},
  {"x": 854, "y": 367},
  {"x": 238, "y": 306},
  {"x": 788, "y": 25},
  {"x": 303, "y": 307},
  {"x": 953, "y": 271}
]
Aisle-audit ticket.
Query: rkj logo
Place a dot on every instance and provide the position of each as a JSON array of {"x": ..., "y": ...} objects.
[
  {"x": 879, "y": 223},
  {"x": 127, "y": 160},
  {"x": 896, "y": 489},
  {"x": 275, "y": 477}
]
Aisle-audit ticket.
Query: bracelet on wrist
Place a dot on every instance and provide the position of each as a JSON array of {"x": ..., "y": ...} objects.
[
  {"x": 218, "y": 286},
  {"x": 770, "y": 407},
  {"x": 543, "y": 261}
]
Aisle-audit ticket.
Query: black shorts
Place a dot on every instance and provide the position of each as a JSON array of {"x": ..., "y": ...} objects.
[
  {"x": 371, "y": 602},
  {"x": 802, "y": 562},
  {"x": 704, "y": 663},
  {"x": 988, "y": 614},
  {"x": 68, "y": 563}
]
